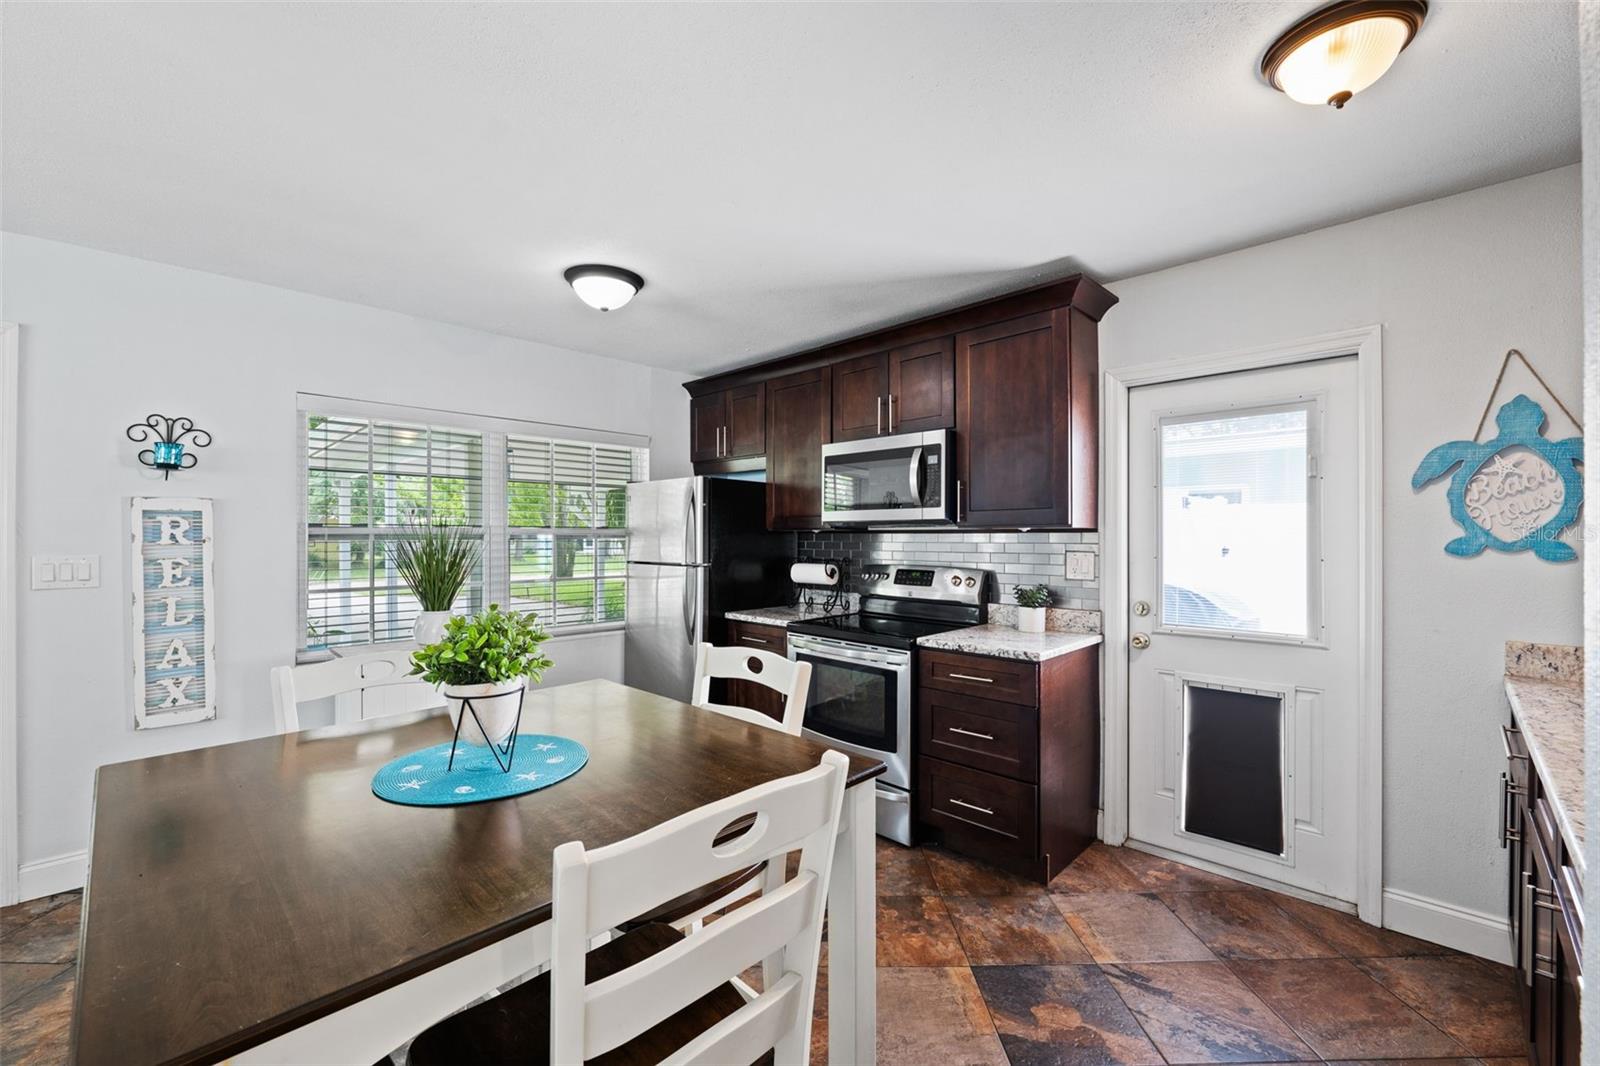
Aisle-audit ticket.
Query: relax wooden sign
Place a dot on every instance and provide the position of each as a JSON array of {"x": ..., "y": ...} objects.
[{"x": 174, "y": 660}]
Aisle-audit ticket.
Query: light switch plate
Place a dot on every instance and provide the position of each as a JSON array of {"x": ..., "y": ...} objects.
[
  {"x": 1080, "y": 566},
  {"x": 66, "y": 571}
]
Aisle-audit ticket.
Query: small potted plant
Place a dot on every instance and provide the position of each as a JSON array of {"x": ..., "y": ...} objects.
[
  {"x": 1031, "y": 603},
  {"x": 488, "y": 658},
  {"x": 435, "y": 560}
]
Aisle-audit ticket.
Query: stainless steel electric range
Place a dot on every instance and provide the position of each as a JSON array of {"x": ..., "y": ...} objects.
[{"x": 864, "y": 664}]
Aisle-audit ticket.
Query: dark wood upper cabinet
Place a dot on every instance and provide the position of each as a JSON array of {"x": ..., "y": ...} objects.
[
  {"x": 797, "y": 428},
  {"x": 707, "y": 415},
  {"x": 745, "y": 434},
  {"x": 728, "y": 424},
  {"x": 1017, "y": 377},
  {"x": 922, "y": 386},
  {"x": 860, "y": 394},
  {"x": 1027, "y": 421}
]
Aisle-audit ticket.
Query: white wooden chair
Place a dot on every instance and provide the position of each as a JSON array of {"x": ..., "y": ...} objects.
[
  {"x": 348, "y": 676},
  {"x": 790, "y": 679},
  {"x": 654, "y": 995}
]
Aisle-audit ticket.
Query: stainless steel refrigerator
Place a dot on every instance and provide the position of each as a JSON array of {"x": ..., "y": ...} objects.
[{"x": 697, "y": 548}]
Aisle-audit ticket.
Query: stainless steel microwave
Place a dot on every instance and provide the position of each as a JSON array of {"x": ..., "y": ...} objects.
[{"x": 888, "y": 480}]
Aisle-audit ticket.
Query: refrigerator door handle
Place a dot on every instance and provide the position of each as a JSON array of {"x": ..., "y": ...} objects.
[
  {"x": 691, "y": 529},
  {"x": 691, "y": 597}
]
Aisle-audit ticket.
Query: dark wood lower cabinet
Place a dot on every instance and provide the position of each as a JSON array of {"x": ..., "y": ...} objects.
[
  {"x": 1545, "y": 908},
  {"x": 747, "y": 693},
  {"x": 1008, "y": 757}
]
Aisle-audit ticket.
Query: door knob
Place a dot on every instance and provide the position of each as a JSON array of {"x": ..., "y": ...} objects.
[
  {"x": 1140, "y": 641},
  {"x": 1141, "y": 608}
]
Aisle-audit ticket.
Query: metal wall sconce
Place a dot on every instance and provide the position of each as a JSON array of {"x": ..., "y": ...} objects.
[{"x": 166, "y": 452}]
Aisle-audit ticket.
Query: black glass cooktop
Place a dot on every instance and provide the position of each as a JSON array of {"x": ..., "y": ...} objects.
[{"x": 881, "y": 630}]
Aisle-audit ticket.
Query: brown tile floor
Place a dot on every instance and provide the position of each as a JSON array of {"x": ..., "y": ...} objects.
[{"x": 1124, "y": 958}]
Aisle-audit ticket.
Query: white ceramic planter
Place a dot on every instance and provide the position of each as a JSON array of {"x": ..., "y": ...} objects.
[
  {"x": 429, "y": 627},
  {"x": 496, "y": 707},
  {"x": 1030, "y": 619}
]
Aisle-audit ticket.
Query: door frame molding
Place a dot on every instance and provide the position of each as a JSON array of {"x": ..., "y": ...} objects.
[
  {"x": 1366, "y": 344},
  {"x": 10, "y": 795}
]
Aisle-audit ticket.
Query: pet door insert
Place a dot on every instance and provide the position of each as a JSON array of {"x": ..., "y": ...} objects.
[{"x": 1233, "y": 766}]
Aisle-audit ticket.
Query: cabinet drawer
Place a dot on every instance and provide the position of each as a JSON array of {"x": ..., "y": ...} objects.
[
  {"x": 767, "y": 638},
  {"x": 1006, "y": 680},
  {"x": 1002, "y": 738},
  {"x": 1003, "y": 811}
]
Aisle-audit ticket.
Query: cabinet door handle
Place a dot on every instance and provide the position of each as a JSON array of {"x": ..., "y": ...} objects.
[
  {"x": 968, "y": 732},
  {"x": 880, "y": 415},
  {"x": 1507, "y": 811},
  {"x": 1505, "y": 740},
  {"x": 958, "y": 499},
  {"x": 891, "y": 412},
  {"x": 972, "y": 677},
  {"x": 972, "y": 806}
]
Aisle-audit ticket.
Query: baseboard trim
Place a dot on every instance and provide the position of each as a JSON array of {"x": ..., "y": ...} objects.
[
  {"x": 1474, "y": 932},
  {"x": 49, "y": 876}
]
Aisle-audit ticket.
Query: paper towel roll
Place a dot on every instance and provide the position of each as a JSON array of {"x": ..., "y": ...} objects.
[{"x": 814, "y": 574}]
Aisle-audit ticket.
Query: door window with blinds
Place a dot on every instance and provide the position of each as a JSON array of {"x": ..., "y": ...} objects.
[{"x": 550, "y": 517}]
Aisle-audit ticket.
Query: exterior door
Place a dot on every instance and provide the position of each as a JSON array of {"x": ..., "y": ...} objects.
[{"x": 1243, "y": 665}]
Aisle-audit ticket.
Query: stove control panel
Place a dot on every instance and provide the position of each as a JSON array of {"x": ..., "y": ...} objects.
[{"x": 913, "y": 581}]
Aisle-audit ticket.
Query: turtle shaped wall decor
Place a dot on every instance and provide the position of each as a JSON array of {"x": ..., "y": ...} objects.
[{"x": 1516, "y": 492}]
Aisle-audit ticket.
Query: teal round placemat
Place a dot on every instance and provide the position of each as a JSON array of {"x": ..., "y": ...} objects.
[{"x": 421, "y": 780}]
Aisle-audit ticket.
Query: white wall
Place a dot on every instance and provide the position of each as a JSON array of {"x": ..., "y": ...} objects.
[
  {"x": 108, "y": 339},
  {"x": 1454, "y": 283},
  {"x": 1589, "y": 71}
]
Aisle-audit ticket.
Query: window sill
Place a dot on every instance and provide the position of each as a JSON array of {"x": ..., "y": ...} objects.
[{"x": 343, "y": 651}]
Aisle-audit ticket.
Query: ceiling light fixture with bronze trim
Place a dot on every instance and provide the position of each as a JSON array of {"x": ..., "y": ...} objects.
[{"x": 1337, "y": 51}]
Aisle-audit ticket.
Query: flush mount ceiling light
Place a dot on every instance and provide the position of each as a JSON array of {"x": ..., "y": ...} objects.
[
  {"x": 1335, "y": 52},
  {"x": 604, "y": 288}
]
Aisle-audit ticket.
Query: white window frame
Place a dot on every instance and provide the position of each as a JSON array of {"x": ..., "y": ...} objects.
[
  {"x": 496, "y": 534},
  {"x": 1315, "y": 406}
]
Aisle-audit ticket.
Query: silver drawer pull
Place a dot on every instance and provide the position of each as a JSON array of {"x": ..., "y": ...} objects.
[
  {"x": 752, "y": 640},
  {"x": 968, "y": 733},
  {"x": 972, "y": 677},
  {"x": 1505, "y": 741},
  {"x": 971, "y": 806}
]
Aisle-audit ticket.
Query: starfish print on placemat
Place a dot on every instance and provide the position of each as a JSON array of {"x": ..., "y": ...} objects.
[
  {"x": 543, "y": 747},
  {"x": 413, "y": 783},
  {"x": 532, "y": 776}
]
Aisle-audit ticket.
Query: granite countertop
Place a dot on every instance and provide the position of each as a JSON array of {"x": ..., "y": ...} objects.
[
  {"x": 783, "y": 616},
  {"x": 1006, "y": 642},
  {"x": 1544, "y": 685}
]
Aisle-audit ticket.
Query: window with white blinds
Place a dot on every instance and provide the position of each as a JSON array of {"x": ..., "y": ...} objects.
[{"x": 558, "y": 507}]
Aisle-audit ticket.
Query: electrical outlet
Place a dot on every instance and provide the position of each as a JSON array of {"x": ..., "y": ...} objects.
[
  {"x": 1080, "y": 566},
  {"x": 66, "y": 571}
]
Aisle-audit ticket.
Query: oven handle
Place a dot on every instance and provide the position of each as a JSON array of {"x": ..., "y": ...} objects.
[
  {"x": 800, "y": 644},
  {"x": 892, "y": 795}
]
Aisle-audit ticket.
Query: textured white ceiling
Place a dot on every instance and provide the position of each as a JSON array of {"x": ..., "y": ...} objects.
[{"x": 781, "y": 174}]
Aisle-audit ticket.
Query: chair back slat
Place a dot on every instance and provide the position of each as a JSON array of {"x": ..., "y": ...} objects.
[
  {"x": 786, "y": 676},
  {"x": 620, "y": 1007},
  {"x": 683, "y": 854},
  {"x": 595, "y": 891},
  {"x": 294, "y": 685},
  {"x": 747, "y": 1034}
]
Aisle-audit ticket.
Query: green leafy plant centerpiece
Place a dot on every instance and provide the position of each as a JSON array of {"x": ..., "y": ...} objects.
[
  {"x": 435, "y": 560},
  {"x": 1031, "y": 603},
  {"x": 488, "y": 659}
]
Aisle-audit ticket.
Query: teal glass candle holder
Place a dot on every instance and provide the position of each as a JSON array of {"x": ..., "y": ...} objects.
[{"x": 169, "y": 454}]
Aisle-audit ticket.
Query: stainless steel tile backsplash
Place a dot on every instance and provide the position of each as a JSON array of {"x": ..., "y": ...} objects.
[{"x": 1014, "y": 558}]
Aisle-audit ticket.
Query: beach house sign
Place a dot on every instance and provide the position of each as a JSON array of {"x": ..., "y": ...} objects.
[{"x": 174, "y": 651}]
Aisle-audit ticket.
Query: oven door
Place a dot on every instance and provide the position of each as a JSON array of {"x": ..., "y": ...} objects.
[
  {"x": 860, "y": 699},
  {"x": 903, "y": 478}
]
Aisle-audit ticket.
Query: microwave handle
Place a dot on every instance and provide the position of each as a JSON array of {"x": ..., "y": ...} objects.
[{"x": 916, "y": 474}]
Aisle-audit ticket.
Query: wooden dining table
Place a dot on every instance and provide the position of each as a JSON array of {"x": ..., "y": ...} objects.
[{"x": 255, "y": 902}]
